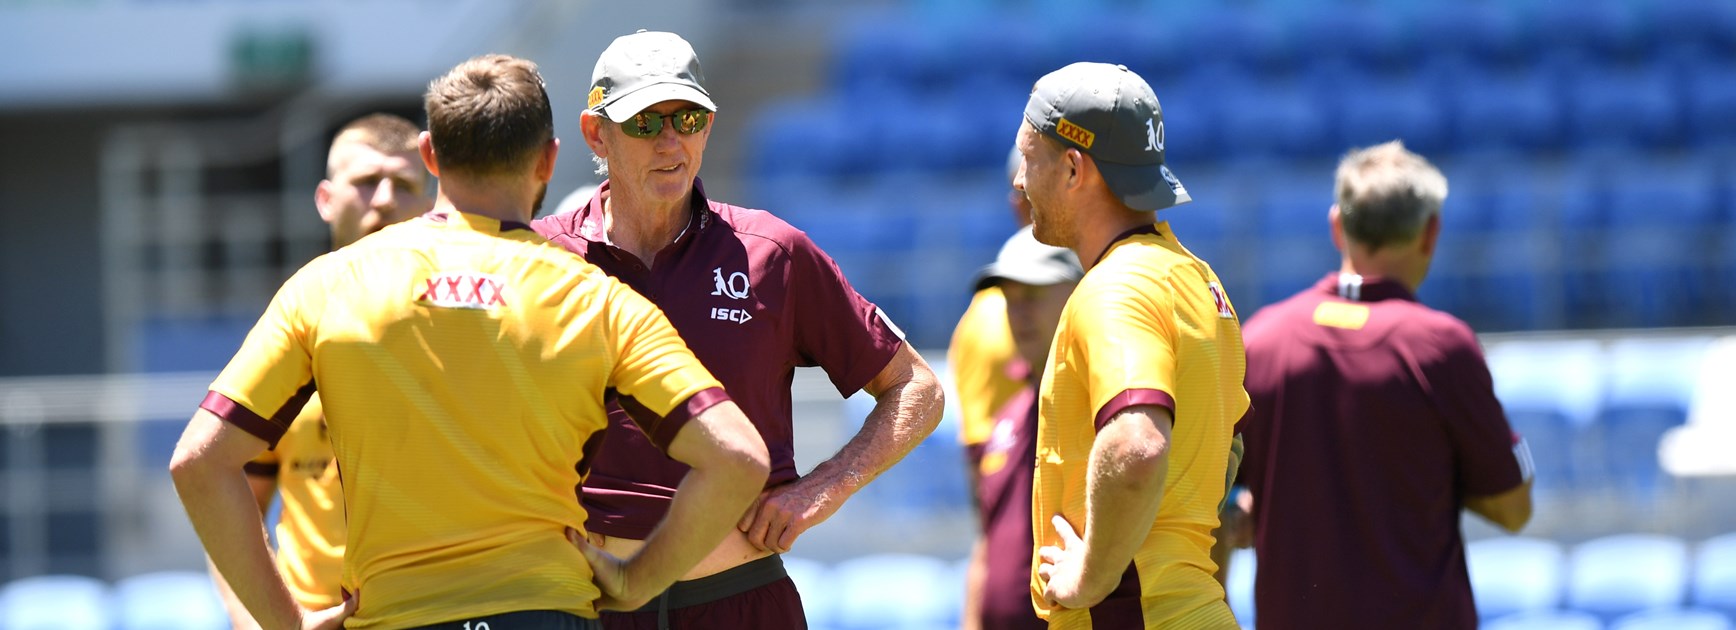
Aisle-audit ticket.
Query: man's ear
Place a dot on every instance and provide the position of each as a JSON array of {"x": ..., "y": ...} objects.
[
  {"x": 322, "y": 199},
  {"x": 425, "y": 147},
  {"x": 1431, "y": 234},
  {"x": 1332, "y": 217},
  {"x": 591, "y": 124},
  {"x": 1075, "y": 160},
  {"x": 545, "y": 163}
]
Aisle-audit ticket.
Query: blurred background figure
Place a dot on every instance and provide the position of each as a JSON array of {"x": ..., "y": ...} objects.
[
  {"x": 1374, "y": 423},
  {"x": 986, "y": 367},
  {"x": 1590, "y": 240},
  {"x": 1036, "y": 280},
  {"x": 374, "y": 178}
]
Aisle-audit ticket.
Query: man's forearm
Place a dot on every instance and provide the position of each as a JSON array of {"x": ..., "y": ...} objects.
[
  {"x": 223, "y": 512},
  {"x": 904, "y": 413},
  {"x": 1123, "y": 489}
]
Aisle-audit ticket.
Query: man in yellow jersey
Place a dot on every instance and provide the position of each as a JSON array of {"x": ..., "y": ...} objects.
[
  {"x": 1144, "y": 381},
  {"x": 463, "y": 362},
  {"x": 373, "y": 179}
]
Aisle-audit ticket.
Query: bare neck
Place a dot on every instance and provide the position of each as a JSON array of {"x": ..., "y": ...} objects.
[
  {"x": 498, "y": 202},
  {"x": 642, "y": 228},
  {"x": 1100, "y": 226},
  {"x": 1382, "y": 264}
]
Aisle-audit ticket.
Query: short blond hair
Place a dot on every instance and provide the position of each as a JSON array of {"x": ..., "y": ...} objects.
[
  {"x": 1386, "y": 194},
  {"x": 386, "y": 133}
]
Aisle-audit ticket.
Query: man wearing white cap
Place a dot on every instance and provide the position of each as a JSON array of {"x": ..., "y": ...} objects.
[
  {"x": 754, "y": 298},
  {"x": 1143, "y": 388}
]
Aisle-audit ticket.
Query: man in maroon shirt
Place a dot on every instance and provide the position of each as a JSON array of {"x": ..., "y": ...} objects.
[
  {"x": 1374, "y": 423},
  {"x": 754, "y": 298},
  {"x": 1036, "y": 280}
]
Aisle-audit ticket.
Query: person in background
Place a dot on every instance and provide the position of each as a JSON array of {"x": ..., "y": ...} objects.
[
  {"x": 1374, "y": 424},
  {"x": 1036, "y": 280},
  {"x": 374, "y": 178}
]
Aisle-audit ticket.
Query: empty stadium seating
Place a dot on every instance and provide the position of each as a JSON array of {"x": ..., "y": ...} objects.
[
  {"x": 1647, "y": 241},
  {"x": 1515, "y": 574}
]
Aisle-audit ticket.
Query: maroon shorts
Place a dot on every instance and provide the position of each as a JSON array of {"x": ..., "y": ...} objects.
[{"x": 758, "y": 595}]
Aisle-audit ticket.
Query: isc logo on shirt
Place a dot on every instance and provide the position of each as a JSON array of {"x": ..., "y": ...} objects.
[{"x": 462, "y": 289}]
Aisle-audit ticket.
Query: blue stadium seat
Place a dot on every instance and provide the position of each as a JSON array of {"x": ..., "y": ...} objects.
[
  {"x": 1606, "y": 29},
  {"x": 1663, "y": 222},
  {"x": 1624, "y": 109},
  {"x": 1271, "y": 119},
  {"x": 1377, "y": 111},
  {"x": 895, "y": 591},
  {"x": 814, "y": 582},
  {"x": 807, "y": 138},
  {"x": 1204, "y": 226},
  {"x": 1710, "y": 108},
  {"x": 1641, "y": 240},
  {"x": 1252, "y": 40},
  {"x": 880, "y": 51},
  {"x": 170, "y": 600},
  {"x": 1709, "y": 24},
  {"x": 1715, "y": 574},
  {"x": 1649, "y": 389},
  {"x": 1515, "y": 574},
  {"x": 1239, "y": 585},
  {"x": 1489, "y": 268},
  {"x": 1550, "y": 391},
  {"x": 1371, "y": 39},
  {"x": 1626, "y": 573},
  {"x": 1546, "y": 620},
  {"x": 1290, "y": 217},
  {"x": 55, "y": 602},
  {"x": 1190, "y": 121},
  {"x": 1673, "y": 619},
  {"x": 1506, "y": 111},
  {"x": 1487, "y": 33},
  {"x": 979, "y": 109}
]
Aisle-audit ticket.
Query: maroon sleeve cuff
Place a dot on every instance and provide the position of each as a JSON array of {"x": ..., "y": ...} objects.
[
  {"x": 661, "y": 430},
  {"x": 271, "y": 430},
  {"x": 259, "y": 469},
  {"x": 1132, "y": 398}
]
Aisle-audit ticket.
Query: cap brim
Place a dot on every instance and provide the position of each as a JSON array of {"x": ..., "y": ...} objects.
[
  {"x": 1033, "y": 273},
  {"x": 627, "y": 105},
  {"x": 1144, "y": 187}
]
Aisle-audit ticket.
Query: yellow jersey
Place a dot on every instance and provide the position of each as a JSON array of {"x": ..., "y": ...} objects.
[
  {"x": 1148, "y": 324},
  {"x": 463, "y": 364},
  {"x": 310, "y": 532},
  {"x": 986, "y": 369}
]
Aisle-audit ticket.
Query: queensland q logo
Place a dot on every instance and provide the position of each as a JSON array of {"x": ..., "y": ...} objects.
[
  {"x": 736, "y": 286},
  {"x": 1153, "y": 136}
]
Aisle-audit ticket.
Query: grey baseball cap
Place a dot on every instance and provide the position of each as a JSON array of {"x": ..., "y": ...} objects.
[
  {"x": 1111, "y": 114},
  {"x": 1024, "y": 259},
  {"x": 643, "y": 69}
]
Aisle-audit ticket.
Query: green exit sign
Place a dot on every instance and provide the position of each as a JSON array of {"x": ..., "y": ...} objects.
[{"x": 271, "y": 59}]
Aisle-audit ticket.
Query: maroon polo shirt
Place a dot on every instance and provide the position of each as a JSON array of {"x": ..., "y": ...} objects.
[
  {"x": 1373, "y": 418},
  {"x": 1004, "y": 508},
  {"x": 754, "y": 298}
]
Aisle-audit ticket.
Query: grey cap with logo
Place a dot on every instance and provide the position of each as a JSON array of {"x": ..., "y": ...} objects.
[
  {"x": 643, "y": 69},
  {"x": 1111, "y": 114}
]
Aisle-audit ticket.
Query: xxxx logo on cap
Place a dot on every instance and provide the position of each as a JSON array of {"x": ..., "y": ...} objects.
[
  {"x": 1077, "y": 134},
  {"x": 595, "y": 98}
]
